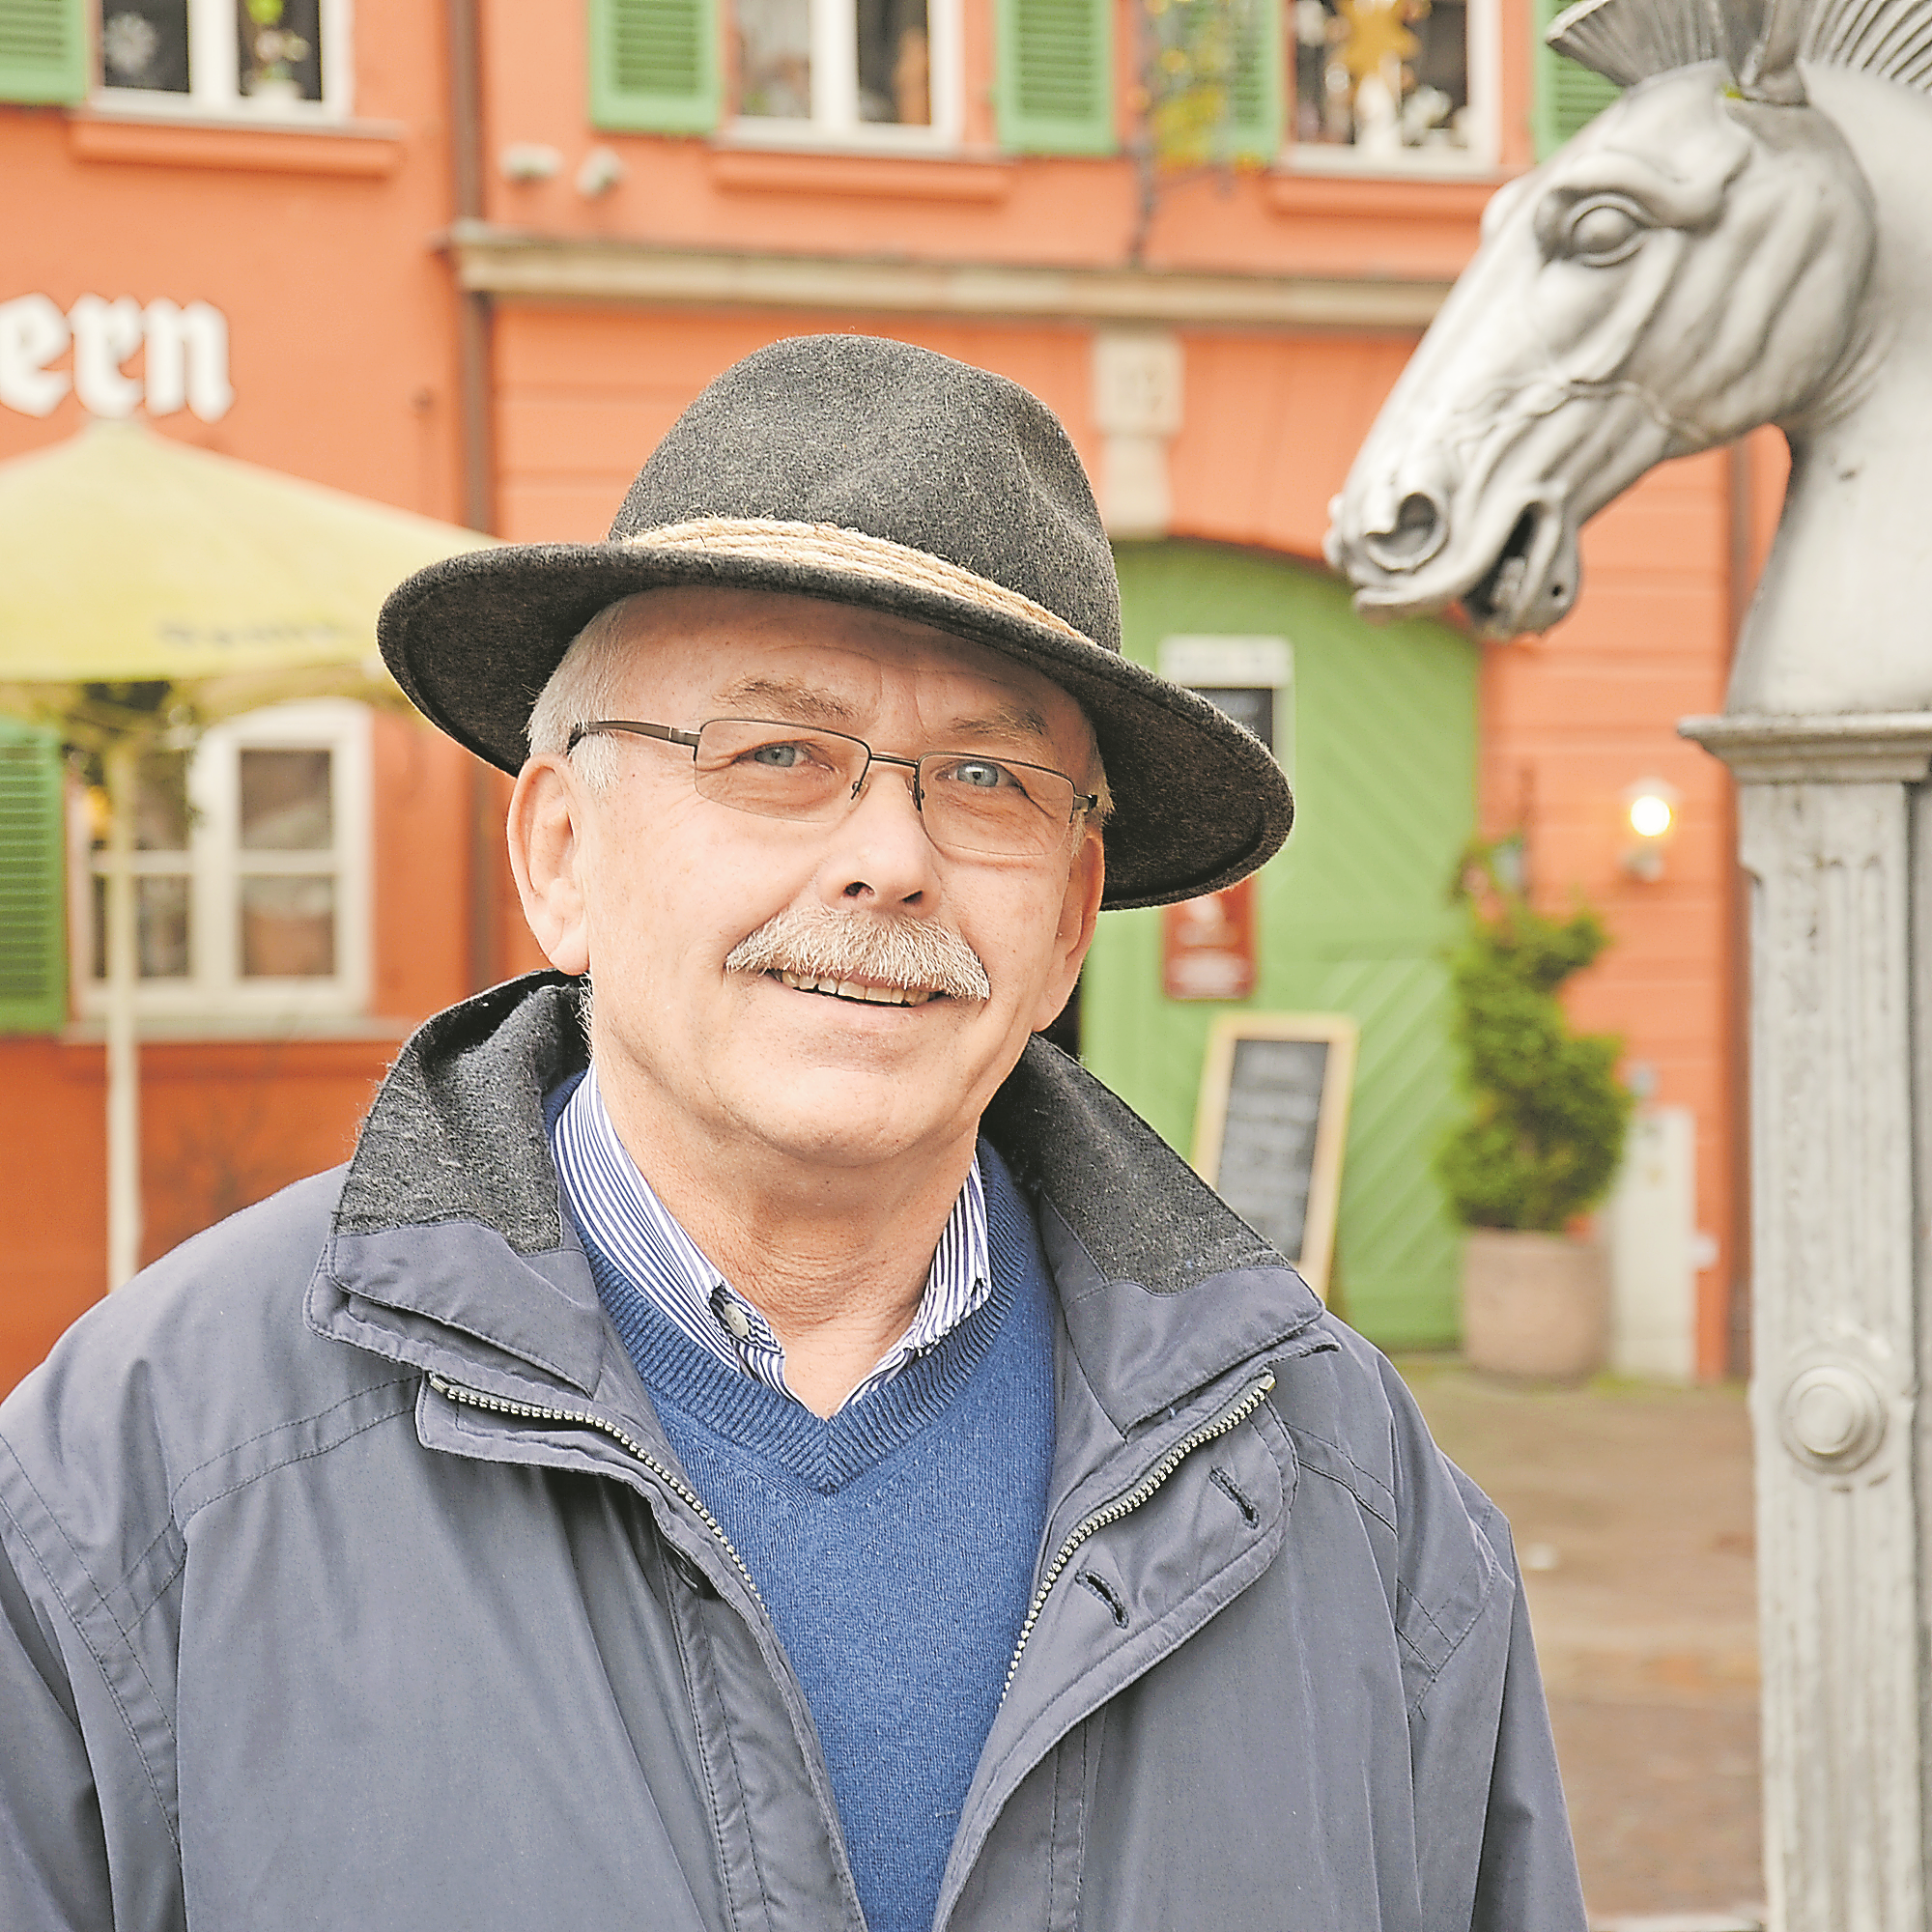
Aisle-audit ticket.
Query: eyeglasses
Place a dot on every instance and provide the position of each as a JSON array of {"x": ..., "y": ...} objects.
[{"x": 991, "y": 808}]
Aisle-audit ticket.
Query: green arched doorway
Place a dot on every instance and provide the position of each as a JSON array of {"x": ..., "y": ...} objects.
[{"x": 1377, "y": 727}]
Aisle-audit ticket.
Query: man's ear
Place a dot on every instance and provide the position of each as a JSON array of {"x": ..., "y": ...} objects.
[
  {"x": 546, "y": 838},
  {"x": 1079, "y": 915}
]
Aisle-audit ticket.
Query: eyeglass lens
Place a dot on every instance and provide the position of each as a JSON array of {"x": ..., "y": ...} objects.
[{"x": 970, "y": 803}]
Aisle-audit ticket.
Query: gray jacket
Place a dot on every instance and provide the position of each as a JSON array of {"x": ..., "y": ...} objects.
[{"x": 349, "y": 1582}]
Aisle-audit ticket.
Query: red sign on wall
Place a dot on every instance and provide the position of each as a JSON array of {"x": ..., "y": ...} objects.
[{"x": 1207, "y": 945}]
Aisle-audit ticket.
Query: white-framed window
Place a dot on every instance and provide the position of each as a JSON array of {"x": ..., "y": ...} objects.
[
  {"x": 1250, "y": 679},
  {"x": 1394, "y": 86},
  {"x": 872, "y": 74},
  {"x": 262, "y": 59},
  {"x": 251, "y": 872}
]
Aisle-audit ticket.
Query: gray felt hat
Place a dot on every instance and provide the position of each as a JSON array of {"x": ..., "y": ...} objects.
[{"x": 871, "y": 472}]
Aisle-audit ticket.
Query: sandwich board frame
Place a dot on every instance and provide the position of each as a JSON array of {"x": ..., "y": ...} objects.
[{"x": 1340, "y": 1033}]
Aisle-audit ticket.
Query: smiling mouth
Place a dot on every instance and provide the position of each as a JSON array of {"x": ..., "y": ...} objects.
[{"x": 857, "y": 990}]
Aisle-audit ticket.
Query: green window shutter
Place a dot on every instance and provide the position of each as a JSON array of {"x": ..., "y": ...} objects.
[
  {"x": 1055, "y": 76},
  {"x": 33, "y": 899},
  {"x": 653, "y": 66},
  {"x": 1253, "y": 89},
  {"x": 42, "y": 50},
  {"x": 1568, "y": 95}
]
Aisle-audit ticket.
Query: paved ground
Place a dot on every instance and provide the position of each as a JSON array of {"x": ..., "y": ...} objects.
[{"x": 1632, "y": 1509}]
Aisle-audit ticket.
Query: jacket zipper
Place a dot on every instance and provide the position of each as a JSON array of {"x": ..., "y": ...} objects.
[
  {"x": 582, "y": 1418},
  {"x": 1230, "y": 1418}
]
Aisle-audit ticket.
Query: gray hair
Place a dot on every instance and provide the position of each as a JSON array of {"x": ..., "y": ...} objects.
[
  {"x": 585, "y": 687},
  {"x": 581, "y": 689}
]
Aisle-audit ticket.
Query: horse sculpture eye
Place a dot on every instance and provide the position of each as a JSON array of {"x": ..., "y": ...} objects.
[{"x": 1599, "y": 233}]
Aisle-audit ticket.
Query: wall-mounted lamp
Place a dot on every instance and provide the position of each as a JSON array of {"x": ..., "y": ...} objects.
[
  {"x": 526, "y": 161},
  {"x": 1650, "y": 816},
  {"x": 602, "y": 170}
]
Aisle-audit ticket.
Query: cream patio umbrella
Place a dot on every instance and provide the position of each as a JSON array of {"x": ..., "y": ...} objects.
[{"x": 148, "y": 587}]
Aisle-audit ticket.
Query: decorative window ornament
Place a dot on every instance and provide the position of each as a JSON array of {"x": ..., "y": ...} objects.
[
  {"x": 1388, "y": 79},
  {"x": 131, "y": 49}
]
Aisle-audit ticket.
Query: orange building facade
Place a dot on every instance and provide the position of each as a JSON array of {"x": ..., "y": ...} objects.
[{"x": 472, "y": 259}]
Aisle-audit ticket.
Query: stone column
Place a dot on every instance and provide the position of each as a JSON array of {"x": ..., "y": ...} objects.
[{"x": 1836, "y": 831}]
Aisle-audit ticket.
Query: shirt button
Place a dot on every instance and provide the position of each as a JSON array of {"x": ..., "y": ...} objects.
[{"x": 735, "y": 1319}]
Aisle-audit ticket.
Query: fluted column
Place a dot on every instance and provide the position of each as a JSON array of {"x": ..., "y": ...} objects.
[{"x": 1836, "y": 831}]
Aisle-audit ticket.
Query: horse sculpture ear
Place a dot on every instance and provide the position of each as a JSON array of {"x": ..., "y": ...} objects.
[{"x": 1768, "y": 72}]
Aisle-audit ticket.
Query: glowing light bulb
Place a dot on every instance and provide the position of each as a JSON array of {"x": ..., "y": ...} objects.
[
  {"x": 1650, "y": 811},
  {"x": 1650, "y": 815}
]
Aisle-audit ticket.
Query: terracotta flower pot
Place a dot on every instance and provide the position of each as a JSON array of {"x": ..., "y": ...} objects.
[{"x": 1534, "y": 1306}]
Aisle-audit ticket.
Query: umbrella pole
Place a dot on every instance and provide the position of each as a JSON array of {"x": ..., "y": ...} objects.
[{"x": 124, "y": 1067}]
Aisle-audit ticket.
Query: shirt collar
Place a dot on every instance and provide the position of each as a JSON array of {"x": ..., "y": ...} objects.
[{"x": 618, "y": 1211}]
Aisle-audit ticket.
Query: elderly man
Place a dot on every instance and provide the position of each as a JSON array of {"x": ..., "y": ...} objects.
[{"x": 772, "y": 1445}]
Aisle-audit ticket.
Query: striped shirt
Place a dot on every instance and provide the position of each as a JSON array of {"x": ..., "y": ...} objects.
[{"x": 617, "y": 1211}]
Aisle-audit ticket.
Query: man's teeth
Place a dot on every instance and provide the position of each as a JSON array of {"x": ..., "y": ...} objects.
[{"x": 852, "y": 989}]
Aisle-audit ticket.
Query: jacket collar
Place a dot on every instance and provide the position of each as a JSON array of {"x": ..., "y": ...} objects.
[
  {"x": 1163, "y": 1287},
  {"x": 450, "y": 1249}
]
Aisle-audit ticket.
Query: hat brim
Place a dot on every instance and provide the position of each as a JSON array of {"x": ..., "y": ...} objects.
[{"x": 1199, "y": 802}]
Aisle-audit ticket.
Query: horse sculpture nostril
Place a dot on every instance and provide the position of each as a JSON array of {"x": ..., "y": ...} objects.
[{"x": 1416, "y": 537}]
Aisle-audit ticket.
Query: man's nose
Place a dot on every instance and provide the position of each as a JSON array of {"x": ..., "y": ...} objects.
[{"x": 880, "y": 851}]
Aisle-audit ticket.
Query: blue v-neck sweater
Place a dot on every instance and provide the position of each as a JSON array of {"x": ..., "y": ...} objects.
[{"x": 893, "y": 1545}]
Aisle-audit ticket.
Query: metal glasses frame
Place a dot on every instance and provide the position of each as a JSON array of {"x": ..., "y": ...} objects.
[{"x": 1082, "y": 801}]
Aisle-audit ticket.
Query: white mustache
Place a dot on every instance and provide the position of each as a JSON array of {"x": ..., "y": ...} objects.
[{"x": 884, "y": 948}]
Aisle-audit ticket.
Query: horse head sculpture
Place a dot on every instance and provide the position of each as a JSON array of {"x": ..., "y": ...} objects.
[{"x": 1744, "y": 238}]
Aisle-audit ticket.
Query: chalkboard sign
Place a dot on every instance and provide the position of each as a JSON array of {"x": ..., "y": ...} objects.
[{"x": 1271, "y": 1126}]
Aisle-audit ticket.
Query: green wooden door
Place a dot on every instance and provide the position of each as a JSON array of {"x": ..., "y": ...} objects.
[{"x": 1353, "y": 912}]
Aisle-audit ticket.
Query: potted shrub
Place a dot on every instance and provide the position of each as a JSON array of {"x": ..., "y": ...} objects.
[{"x": 1542, "y": 1137}]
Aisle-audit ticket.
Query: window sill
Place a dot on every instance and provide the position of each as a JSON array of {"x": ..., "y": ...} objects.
[
  {"x": 168, "y": 1029},
  {"x": 1323, "y": 157},
  {"x": 368, "y": 149},
  {"x": 1361, "y": 192},
  {"x": 916, "y": 141},
  {"x": 896, "y": 177}
]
